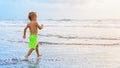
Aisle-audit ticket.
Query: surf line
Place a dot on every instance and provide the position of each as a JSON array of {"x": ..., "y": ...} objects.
[{"x": 15, "y": 60}]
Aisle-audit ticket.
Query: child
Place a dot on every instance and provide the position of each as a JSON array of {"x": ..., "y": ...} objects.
[{"x": 33, "y": 38}]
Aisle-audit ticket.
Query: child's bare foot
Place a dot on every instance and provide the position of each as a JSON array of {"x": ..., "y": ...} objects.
[
  {"x": 38, "y": 56},
  {"x": 26, "y": 57}
]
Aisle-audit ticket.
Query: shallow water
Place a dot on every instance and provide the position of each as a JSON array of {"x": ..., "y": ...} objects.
[{"x": 63, "y": 44}]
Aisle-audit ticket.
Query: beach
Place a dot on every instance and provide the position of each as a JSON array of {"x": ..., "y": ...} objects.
[{"x": 63, "y": 44}]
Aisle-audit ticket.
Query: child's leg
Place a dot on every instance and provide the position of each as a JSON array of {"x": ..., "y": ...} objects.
[
  {"x": 37, "y": 51},
  {"x": 29, "y": 52}
]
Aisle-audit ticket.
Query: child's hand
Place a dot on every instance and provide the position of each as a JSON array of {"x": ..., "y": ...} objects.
[
  {"x": 24, "y": 36},
  {"x": 42, "y": 26}
]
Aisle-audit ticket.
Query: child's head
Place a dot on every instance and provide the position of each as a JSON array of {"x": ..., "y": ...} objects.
[{"x": 32, "y": 16}]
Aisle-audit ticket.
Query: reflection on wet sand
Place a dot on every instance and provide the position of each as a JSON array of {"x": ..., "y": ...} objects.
[{"x": 34, "y": 64}]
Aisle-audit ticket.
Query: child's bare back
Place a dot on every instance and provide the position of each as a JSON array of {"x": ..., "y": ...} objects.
[{"x": 33, "y": 27}]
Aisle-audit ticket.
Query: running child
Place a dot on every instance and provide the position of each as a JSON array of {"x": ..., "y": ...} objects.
[{"x": 33, "y": 27}]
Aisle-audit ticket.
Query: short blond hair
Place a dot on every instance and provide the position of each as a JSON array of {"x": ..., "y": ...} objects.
[{"x": 31, "y": 15}]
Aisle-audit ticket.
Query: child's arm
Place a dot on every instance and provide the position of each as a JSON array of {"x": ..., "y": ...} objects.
[
  {"x": 24, "y": 34},
  {"x": 40, "y": 26}
]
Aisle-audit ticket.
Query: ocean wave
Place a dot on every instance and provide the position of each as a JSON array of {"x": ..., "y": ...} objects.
[
  {"x": 91, "y": 26},
  {"x": 17, "y": 41},
  {"x": 96, "y": 20},
  {"x": 63, "y": 20},
  {"x": 77, "y": 37},
  {"x": 66, "y": 23},
  {"x": 53, "y": 43},
  {"x": 62, "y": 43}
]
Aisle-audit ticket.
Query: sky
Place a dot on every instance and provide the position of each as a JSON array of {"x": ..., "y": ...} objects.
[{"x": 60, "y": 9}]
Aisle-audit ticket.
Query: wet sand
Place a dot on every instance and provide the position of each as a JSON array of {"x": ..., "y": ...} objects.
[{"x": 56, "y": 56}]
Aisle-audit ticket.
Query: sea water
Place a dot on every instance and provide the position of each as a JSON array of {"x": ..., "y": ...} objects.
[{"x": 63, "y": 43}]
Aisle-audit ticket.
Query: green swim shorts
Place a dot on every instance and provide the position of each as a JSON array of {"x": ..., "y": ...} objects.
[{"x": 33, "y": 41}]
